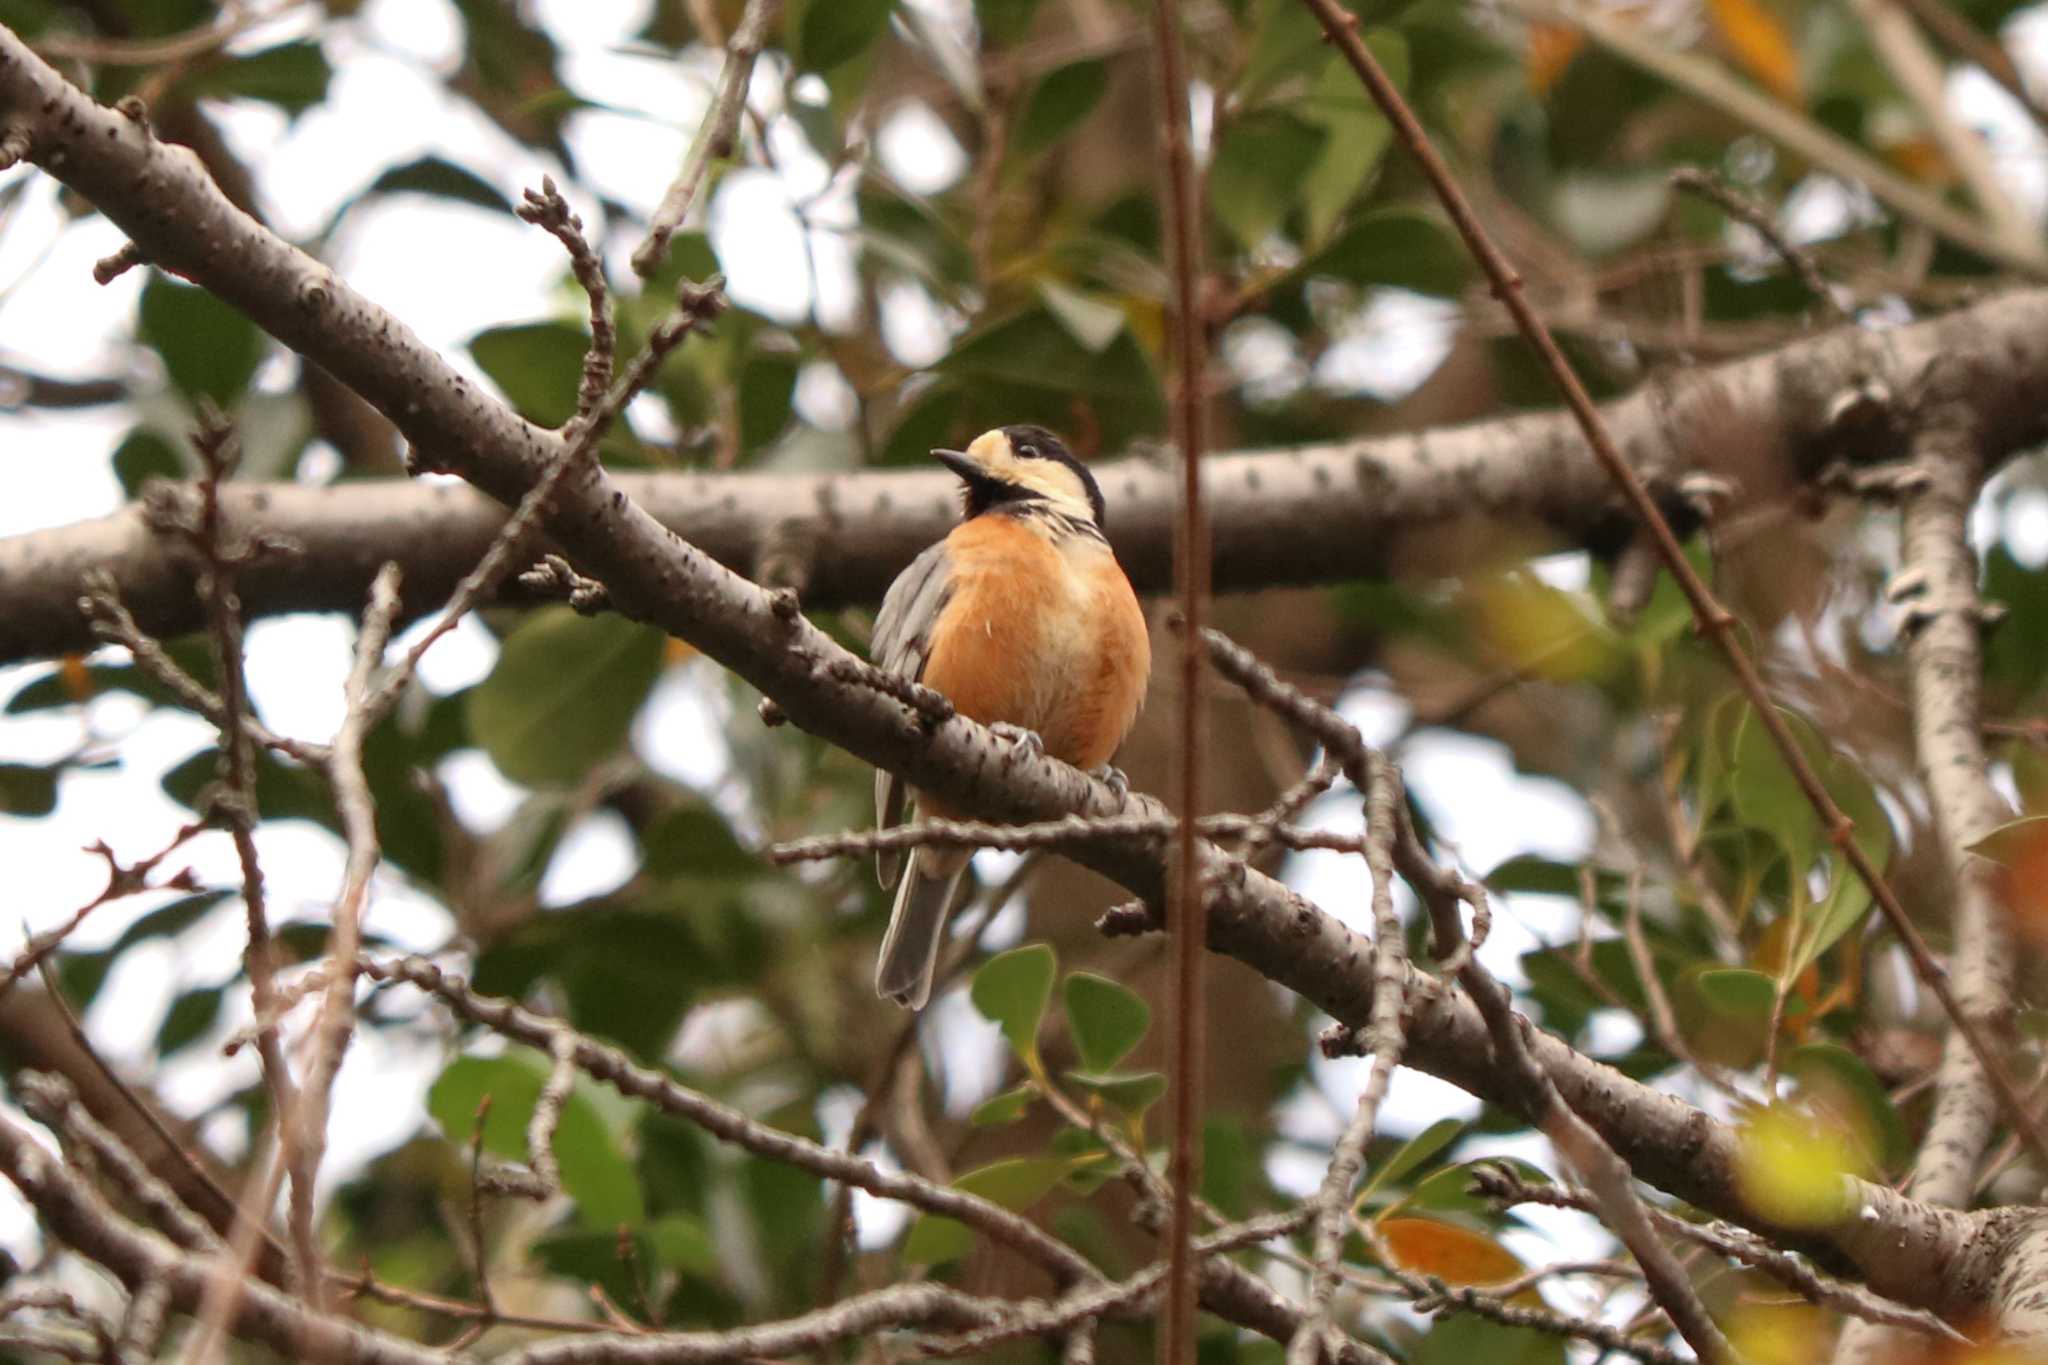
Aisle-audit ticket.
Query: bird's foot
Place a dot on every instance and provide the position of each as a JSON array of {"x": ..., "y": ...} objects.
[
  {"x": 1028, "y": 742},
  {"x": 1114, "y": 776}
]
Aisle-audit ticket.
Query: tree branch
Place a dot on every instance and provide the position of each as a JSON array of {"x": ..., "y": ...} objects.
[{"x": 1317, "y": 513}]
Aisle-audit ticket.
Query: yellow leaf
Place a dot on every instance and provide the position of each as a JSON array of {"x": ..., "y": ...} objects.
[
  {"x": 1791, "y": 1164},
  {"x": 1540, "y": 630},
  {"x": 1551, "y": 49},
  {"x": 1778, "y": 1334},
  {"x": 1760, "y": 45},
  {"x": 1453, "y": 1254}
]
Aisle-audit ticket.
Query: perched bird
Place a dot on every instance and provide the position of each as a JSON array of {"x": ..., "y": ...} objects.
[{"x": 1023, "y": 618}]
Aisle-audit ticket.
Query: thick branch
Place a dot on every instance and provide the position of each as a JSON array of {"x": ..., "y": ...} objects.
[{"x": 1311, "y": 514}]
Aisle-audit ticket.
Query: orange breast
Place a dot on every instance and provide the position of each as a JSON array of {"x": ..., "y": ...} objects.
[{"x": 1043, "y": 635}]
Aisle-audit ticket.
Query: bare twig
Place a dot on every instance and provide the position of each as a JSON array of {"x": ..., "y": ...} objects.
[
  {"x": 542, "y": 1178},
  {"x": 546, "y": 208},
  {"x": 335, "y": 1025},
  {"x": 112, "y": 622},
  {"x": 121, "y": 881},
  {"x": 717, "y": 136},
  {"x": 1758, "y": 219},
  {"x": 1332, "y": 1203},
  {"x": 233, "y": 804}
]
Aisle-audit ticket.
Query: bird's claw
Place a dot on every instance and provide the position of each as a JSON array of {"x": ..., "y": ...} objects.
[
  {"x": 1026, "y": 740},
  {"x": 1114, "y": 776}
]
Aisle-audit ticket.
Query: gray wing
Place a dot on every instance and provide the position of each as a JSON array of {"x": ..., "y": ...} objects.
[{"x": 901, "y": 641}]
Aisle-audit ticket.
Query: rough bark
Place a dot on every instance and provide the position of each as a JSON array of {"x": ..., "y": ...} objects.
[{"x": 1344, "y": 509}]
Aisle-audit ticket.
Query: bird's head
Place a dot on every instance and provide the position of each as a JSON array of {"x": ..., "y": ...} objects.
[{"x": 1024, "y": 463}]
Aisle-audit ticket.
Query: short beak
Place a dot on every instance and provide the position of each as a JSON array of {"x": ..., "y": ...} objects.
[{"x": 961, "y": 463}]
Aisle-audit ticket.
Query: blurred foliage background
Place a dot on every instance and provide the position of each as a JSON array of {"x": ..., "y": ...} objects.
[{"x": 972, "y": 188}]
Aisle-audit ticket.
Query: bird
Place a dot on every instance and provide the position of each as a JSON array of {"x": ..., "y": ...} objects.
[{"x": 1024, "y": 620}]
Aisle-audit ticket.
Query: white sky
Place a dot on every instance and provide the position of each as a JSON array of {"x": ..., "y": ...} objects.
[{"x": 450, "y": 272}]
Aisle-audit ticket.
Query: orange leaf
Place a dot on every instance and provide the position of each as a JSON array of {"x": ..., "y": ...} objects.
[
  {"x": 1920, "y": 157},
  {"x": 77, "y": 678},
  {"x": 1551, "y": 49},
  {"x": 1449, "y": 1252},
  {"x": 1760, "y": 45}
]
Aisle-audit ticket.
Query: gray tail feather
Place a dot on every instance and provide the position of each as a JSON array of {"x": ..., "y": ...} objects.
[{"x": 917, "y": 925}]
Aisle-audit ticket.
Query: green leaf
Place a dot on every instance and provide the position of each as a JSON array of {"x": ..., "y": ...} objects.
[
  {"x": 209, "y": 349},
  {"x": 189, "y": 1017},
  {"x": 144, "y": 455},
  {"x": 1133, "y": 1093},
  {"x": 443, "y": 179},
  {"x": 27, "y": 790},
  {"x": 1459, "y": 1338},
  {"x": 538, "y": 365},
  {"x": 1289, "y": 42},
  {"x": 1848, "y": 902},
  {"x": 1256, "y": 174},
  {"x": 1004, "y": 1109},
  {"x": 767, "y": 384},
  {"x": 1836, "y": 1071},
  {"x": 1358, "y": 133},
  {"x": 1004, "y": 21},
  {"x": 1087, "y": 318},
  {"x": 2013, "y": 844},
  {"x": 693, "y": 840},
  {"x": 1739, "y": 991},
  {"x": 594, "y": 1172},
  {"x": 168, "y": 921},
  {"x": 1398, "y": 247},
  {"x": 1411, "y": 1154},
  {"x": 1058, "y": 104},
  {"x": 1766, "y": 796},
  {"x": 1016, "y": 1183},
  {"x": 1013, "y": 989},
  {"x": 292, "y": 76},
  {"x": 563, "y": 694},
  {"x": 837, "y": 31},
  {"x": 1106, "y": 1020}
]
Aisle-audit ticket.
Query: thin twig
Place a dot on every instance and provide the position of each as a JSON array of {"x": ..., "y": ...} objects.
[
  {"x": 334, "y": 1027},
  {"x": 546, "y": 208},
  {"x": 234, "y": 802},
  {"x": 1693, "y": 180},
  {"x": 121, "y": 881},
  {"x": 1332, "y": 1203},
  {"x": 112, "y": 622},
  {"x": 717, "y": 136}
]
